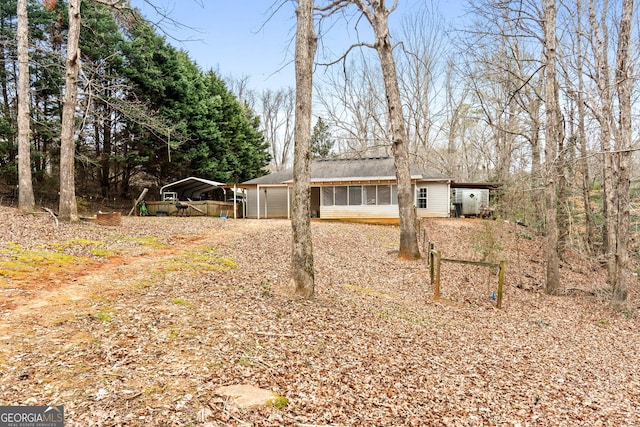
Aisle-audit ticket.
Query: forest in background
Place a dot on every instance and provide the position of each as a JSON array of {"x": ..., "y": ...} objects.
[
  {"x": 146, "y": 113},
  {"x": 473, "y": 94},
  {"x": 538, "y": 99}
]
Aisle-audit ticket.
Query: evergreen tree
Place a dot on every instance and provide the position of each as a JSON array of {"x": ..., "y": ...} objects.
[
  {"x": 146, "y": 107},
  {"x": 321, "y": 141},
  {"x": 8, "y": 125},
  {"x": 245, "y": 153},
  {"x": 101, "y": 45}
]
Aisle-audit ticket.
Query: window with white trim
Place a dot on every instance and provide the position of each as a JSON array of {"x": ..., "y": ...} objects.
[{"x": 421, "y": 198}]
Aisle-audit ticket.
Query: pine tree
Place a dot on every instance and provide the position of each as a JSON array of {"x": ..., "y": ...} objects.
[{"x": 321, "y": 141}]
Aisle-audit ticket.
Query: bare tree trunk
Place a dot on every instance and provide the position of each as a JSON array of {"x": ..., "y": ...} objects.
[
  {"x": 563, "y": 194},
  {"x": 604, "y": 115},
  {"x": 26, "y": 200},
  {"x": 301, "y": 247},
  {"x": 378, "y": 15},
  {"x": 583, "y": 163},
  {"x": 68, "y": 209},
  {"x": 553, "y": 135},
  {"x": 624, "y": 86}
]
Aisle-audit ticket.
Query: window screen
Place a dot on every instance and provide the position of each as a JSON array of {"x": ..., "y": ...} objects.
[
  {"x": 384, "y": 194},
  {"x": 340, "y": 194},
  {"x": 327, "y": 196},
  {"x": 355, "y": 195},
  {"x": 370, "y": 194}
]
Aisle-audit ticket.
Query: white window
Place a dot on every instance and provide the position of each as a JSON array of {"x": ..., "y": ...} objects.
[
  {"x": 353, "y": 195},
  {"x": 421, "y": 198}
]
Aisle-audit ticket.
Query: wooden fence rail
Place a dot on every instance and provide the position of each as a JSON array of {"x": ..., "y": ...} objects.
[{"x": 435, "y": 259}]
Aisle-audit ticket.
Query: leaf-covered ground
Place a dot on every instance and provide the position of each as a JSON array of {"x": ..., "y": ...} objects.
[{"x": 140, "y": 324}]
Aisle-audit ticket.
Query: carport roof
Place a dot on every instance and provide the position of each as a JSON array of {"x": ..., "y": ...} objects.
[{"x": 191, "y": 187}]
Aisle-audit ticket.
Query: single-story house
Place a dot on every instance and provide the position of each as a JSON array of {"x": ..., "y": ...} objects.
[{"x": 363, "y": 188}]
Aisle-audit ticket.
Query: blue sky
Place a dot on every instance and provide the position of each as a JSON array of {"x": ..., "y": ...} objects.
[
  {"x": 232, "y": 37},
  {"x": 245, "y": 37}
]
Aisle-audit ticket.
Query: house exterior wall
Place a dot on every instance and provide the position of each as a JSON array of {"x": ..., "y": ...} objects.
[
  {"x": 273, "y": 202},
  {"x": 359, "y": 212},
  {"x": 438, "y": 202}
]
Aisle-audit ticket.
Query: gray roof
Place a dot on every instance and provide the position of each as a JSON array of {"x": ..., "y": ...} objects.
[{"x": 362, "y": 169}]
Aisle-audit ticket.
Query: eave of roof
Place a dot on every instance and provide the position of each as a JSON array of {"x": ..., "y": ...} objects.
[
  {"x": 348, "y": 170},
  {"x": 489, "y": 185}
]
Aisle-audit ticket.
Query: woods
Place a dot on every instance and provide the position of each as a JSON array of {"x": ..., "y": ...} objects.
[
  {"x": 524, "y": 111},
  {"x": 529, "y": 95},
  {"x": 143, "y": 113}
]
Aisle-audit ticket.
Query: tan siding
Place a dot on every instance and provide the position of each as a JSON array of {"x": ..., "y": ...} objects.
[{"x": 252, "y": 211}]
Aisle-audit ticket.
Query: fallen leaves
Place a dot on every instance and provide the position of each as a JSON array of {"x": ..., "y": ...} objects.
[{"x": 151, "y": 336}]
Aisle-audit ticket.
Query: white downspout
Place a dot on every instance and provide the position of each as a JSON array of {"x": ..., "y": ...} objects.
[
  {"x": 258, "y": 201},
  {"x": 234, "y": 202},
  {"x": 266, "y": 204},
  {"x": 288, "y": 203}
]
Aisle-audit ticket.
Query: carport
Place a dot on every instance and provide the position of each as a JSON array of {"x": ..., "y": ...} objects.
[
  {"x": 192, "y": 188},
  {"x": 200, "y": 195}
]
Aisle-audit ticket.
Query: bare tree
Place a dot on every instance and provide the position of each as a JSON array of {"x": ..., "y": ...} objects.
[
  {"x": 553, "y": 136},
  {"x": 302, "y": 247},
  {"x": 464, "y": 155},
  {"x": 68, "y": 209},
  {"x": 26, "y": 200},
  {"x": 604, "y": 113},
  {"x": 419, "y": 67},
  {"x": 352, "y": 101},
  {"x": 615, "y": 138},
  {"x": 624, "y": 87},
  {"x": 574, "y": 81},
  {"x": 278, "y": 124},
  {"x": 377, "y": 14},
  {"x": 500, "y": 63},
  {"x": 239, "y": 86}
]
